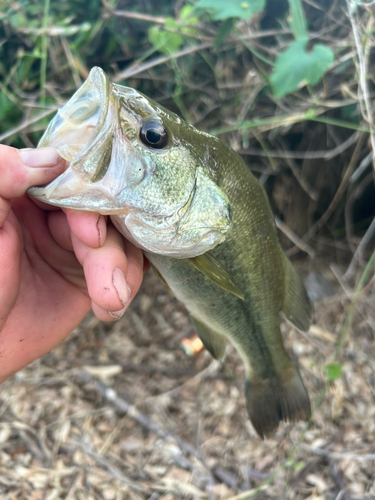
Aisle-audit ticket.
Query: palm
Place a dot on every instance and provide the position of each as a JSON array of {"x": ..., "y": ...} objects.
[
  {"x": 49, "y": 292},
  {"x": 54, "y": 266}
]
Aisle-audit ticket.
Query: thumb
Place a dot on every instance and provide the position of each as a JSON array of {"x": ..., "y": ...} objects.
[{"x": 22, "y": 169}]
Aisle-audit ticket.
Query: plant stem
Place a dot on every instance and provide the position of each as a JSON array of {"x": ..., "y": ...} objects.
[
  {"x": 43, "y": 64},
  {"x": 298, "y": 20},
  {"x": 357, "y": 296}
]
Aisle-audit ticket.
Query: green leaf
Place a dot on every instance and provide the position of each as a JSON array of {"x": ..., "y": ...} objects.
[
  {"x": 333, "y": 371},
  {"x": 224, "y": 9},
  {"x": 187, "y": 15},
  {"x": 169, "y": 42},
  {"x": 5, "y": 105},
  {"x": 295, "y": 66},
  {"x": 165, "y": 41},
  {"x": 223, "y": 32}
]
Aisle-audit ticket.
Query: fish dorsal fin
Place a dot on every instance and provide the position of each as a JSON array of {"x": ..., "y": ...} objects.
[
  {"x": 297, "y": 306},
  {"x": 216, "y": 272}
]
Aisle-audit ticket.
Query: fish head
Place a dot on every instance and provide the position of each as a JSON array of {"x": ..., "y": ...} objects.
[{"x": 142, "y": 165}]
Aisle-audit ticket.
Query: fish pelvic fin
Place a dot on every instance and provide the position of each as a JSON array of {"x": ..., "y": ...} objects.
[
  {"x": 297, "y": 306},
  {"x": 272, "y": 400},
  {"x": 212, "y": 341}
]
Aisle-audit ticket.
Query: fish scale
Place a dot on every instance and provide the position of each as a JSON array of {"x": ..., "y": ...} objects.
[{"x": 203, "y": 221}]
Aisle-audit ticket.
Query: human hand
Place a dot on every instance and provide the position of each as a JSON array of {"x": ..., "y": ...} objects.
[{"x": 54, "y": 264}]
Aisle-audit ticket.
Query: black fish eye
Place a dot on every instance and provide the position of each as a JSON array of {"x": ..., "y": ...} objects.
[{"x": 154, "y": 135}]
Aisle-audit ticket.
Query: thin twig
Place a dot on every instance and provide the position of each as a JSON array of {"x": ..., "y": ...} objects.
[
  {"x": 360, "y": 250},
  {"x": 301, "y": 180},
  {"x": 353, "y": 196},
  {"x": 136, "y": 68},
  {"x": 130, "y": 410},
  {"x": 336, "y": 199},
  {"x": 71, "y": 62},
  {"x": 134, "y": 15},
  {"x": 356, "y": 297},
  {"x": 143, "y": 368},
  {"x": 338, "y": 479},
  {"x": 294, "y": 238},
  {"x": 24, "y": 125},
  {"x": 304, "y": 155},
  {"x": 338, "y": 456},
  {"x": 104, "y": 463},
  {"x": 362, "y": 166}
]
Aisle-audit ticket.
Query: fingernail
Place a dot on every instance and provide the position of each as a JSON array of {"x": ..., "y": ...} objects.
[
  {"x": 122, "y": 288},
  {"x": 101, "y": 226},
  {"x": 117, "y": 314},
  {"x": 39, "y": 158}
]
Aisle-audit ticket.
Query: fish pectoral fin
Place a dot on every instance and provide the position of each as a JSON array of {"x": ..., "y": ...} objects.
[
  {"x": 212, "y": 341},
  {"x": 216, "y": 272},
  {"x": 297, "y": 306},
  {"x": 271, "y": 400}
]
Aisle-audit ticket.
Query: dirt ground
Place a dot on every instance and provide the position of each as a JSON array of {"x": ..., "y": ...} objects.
[{"x": 118, "y": 411}]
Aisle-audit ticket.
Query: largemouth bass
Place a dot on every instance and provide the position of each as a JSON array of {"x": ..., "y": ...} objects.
[{"x": 203, "y": 221}]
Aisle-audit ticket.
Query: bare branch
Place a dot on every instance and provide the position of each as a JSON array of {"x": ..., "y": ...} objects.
[
  {"x": 338, "y": 456},
  {"x": 24, "y": 125},
  {"x": 336, "y": 199},
  {"x": 304, "y": 155},
  {"x": 137, "y": 68},
  {"x": 294, "y": 238}
]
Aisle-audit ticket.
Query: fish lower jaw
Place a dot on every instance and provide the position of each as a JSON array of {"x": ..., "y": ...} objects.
[{"x": 167, "y": 241}]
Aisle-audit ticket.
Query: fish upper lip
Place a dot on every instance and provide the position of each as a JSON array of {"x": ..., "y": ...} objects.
[{"x": 94, "y": 96}]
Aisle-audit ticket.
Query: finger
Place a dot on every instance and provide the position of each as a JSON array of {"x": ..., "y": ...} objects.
[
  {"x": 135, "y": 271},
  {"x": 5, "y": 207},
  {"x": 134, "y": 278},
  {"x": 19, "y": 170},
  {"x": 60, "y": 229},
  {"x": 89, "y": 227},
  {"x": 10, "y": 271},
  {"x": 105, "y": 270}
]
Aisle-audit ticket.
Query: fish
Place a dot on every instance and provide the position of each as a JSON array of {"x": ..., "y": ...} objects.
[{"x": 203, "y": 221}]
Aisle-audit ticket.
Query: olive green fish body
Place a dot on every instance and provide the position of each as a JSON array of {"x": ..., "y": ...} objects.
[
  {"x": 252, "y": 256},
  {"x": 202, "y": 219}
]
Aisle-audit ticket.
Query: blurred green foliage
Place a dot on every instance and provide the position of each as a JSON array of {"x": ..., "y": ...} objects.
[
  {"x": 296, "y": 65},
  {"x": 333, "y": 371},
  {"x": 222, "y": 9},
  {"x": 170, "y": 42},
  {"x": 274, "y": 76},
  {"x": 47, "y": 47}
]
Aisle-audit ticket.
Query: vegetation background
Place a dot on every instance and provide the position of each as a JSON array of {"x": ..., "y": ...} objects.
[{"x": 118, "y": 411}]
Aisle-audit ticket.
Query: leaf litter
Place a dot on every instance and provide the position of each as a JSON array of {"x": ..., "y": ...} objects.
[{"x": 118, "y": 411}]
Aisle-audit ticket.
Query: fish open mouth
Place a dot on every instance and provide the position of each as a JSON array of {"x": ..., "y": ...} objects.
[
  {"x": 82, "y": 133},
  {"x": 78, "y": 125}
]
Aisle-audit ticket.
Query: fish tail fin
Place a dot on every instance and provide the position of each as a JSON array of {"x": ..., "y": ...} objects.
[
  {"x": 297, "y": 306},
  {"x": 272, "y": 400}
]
